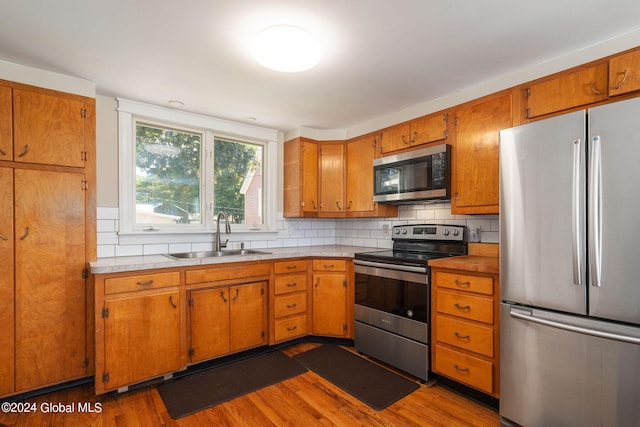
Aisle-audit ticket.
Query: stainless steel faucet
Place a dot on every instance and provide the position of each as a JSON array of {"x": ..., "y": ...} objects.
[{"x": 218, "y": 243}]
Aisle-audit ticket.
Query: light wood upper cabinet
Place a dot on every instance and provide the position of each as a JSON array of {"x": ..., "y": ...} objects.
[
  {"x": 566, "y": 91},
  {"x": 6, "y": 282},
  {"x": 49, "y": 280},
  {"x": 6, "y": 125},
  {"x": 300, "y": 178},
  {"x": 48, "y": 128},
  {"x": 332, "y": 170},
  {"x": 624, "y": 73},
  {"x": 420, "y": 131},
  {"x": 477, "y": 127}
]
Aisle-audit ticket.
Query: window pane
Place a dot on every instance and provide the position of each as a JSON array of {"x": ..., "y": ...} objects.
[
  {"x": 167, "y": 176},
  {"x": 238, "y": 181}
]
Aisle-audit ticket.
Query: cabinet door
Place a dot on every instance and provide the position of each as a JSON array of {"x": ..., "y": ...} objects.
[
  {"x": 429, "y": 129},
  {"x": 572, "y": 90},
  {"x": 6, "y": 124},
  {"x": 329, "y": 304},
  {"x": 50, "y": 287},
  {"x": 142, "y": 338},
  {"x": 209, "y": 323},
  {"x": 248, "y": 315},
  {"x": 624, "y": 73},
  {"x": 332, "y": 178},
  {"x": 6, "y": 281},
  {"x": 48, "y": 129},
  {"x": 310, "y": 200},
  {"x": 395, "y": 138},
  {"x": 476, "y": 155},
  {"x": 360, "y": 154}
]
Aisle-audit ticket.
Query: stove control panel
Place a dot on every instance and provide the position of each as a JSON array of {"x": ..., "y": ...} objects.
[{"x": 429, "y": 232}]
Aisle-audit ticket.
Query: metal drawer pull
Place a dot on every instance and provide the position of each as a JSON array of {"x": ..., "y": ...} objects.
[
  {"x": 292, "y": 284},
  {"x": 624, "y": 77},
  {"x": 329, "y": 266},
  {"x": 462, "y": 307},
  {"x": 459, "y": 369},
  {"x": 291, "y": 267},
  {"x": 462, "y": 284},
  {"x": 26, "y": 233},
  {"x": 293, "y": 328},
  {"x": 25, "y": 151},
  {"x": 292, "y": 305},
  {"x": 593, "y": 88},
  {"x": 147, "y": 283},
  {"x": 462, "y": 337},
  {"x": 171, "y": 302}
]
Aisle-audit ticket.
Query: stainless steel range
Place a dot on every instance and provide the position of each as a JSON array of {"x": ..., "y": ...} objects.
[{"x": 392, "y": 301}]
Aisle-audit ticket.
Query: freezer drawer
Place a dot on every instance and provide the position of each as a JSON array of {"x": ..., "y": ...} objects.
[{"x": 552, "y": 376}]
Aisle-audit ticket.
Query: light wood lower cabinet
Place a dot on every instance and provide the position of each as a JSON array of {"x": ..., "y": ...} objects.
[
  {"x": 139, "y": 328},
  {"x": 289, "y": 300},
  {"x": 465, "y": 328},
  {"x": 332, "y": 298}
]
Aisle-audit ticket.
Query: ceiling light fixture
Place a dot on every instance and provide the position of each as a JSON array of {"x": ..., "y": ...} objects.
[{"x": 286, "y": 48}]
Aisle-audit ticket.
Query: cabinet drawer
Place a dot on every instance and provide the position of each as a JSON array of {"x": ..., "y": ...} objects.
[
  {"x": 465, "y": 282},
  {"x": 228, "y": 273},
  {"x": 329, "y": 265},
  {"x": 290, "y": 304},
  {"x": 292, "y": 266},
  {"x": 141, "y": 282},
  {"x": 292, "y": 283},
  {"x": 470, "y": 370},
  {"x": 290, "y": 327},
  {"x": 466, "y": 306},
  {"x": 466, "y": 335}
]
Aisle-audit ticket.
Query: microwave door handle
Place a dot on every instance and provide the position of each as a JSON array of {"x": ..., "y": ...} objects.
[
  {"x": 576, "y": 245},
  {"x": 595, "y": 212}
]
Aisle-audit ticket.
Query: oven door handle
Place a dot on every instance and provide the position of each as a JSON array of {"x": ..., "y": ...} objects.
[{"x": 400, "y": 267}]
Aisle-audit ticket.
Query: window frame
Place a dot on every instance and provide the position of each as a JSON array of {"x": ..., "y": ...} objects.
[{"x": 131, "y": 112}]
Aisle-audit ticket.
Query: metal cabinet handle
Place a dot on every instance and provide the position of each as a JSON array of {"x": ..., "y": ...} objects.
[
  {"x": 462, "y": 307},
  {"x": 292, "y": 305},
  {"x": 462, "y": 284},
  {"x": 3, "y": 153},
  {"x": 291, "y": 267},
  {"x": 459, "y": 369},
  {"x": 350, "y": 203},
  {"x": 624, "y": 77},
  {"x": 236, "y": 296},
  {"x": 404, "y": 140},
  {"x": 415, "y": 135},
  {"x": 293, "y": 328},
  {"x": 222, "y": 296},
  {"x": 3, "y": 238},
  {"x": 313, "y": 203},
  {"x": 329, "y": 266},
  {"x": 291, "y": 285},
  {"x": 25, "y": 151},
  {"x": 147, "y": 283},
  {"x": 171, "y": 302},
  {"x": 461, "y": 337},
  {"x": 593, "y": 88},
  {"x": 26, "y": 233},
  {"x": 338, "y": 205}
]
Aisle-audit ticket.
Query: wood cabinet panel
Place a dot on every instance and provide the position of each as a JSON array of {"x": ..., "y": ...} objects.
[
  {"x": 467, "y": 335},
  {"x": 7, "y": 338},
  {"x": 48, "y": 129},
  {"x": 395, "y": 138},
  {"x": 6, "y": 125},
  {"x": 465, "y": 282},
  {"x": 465, "y": 306},
  {"x": 209, "y": 314},
  {"x": 332, "y": 169},
  {"x": 300, "y": 171},
  {"x": 214, "y": 274},
  {"x": 50, "y": 296},
  {"x": 471, "y": 370},
  {"x": 624, "y": 73},
  {"x": 290, "y": 266},
  {"x": 429, "y": 129},
  {"x": 581, "y": 87},
  {"x": 248, "y": 315},
  {"x": 286, "y": 305},
  {"x": 329, "y": 265},
  {"x": 142, "y": 282},
  {"x": 290, "y": 327},
  {"x": 360, "y": 155},
  {"x": 475, "y": 183},
  {"x": 329, "y": 304},
  {"x": 142, "y": 336},
  {"x": 291, "y": 283}
]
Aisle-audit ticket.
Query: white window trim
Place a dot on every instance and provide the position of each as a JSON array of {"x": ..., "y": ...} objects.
[{"x": 128, "y": 110}]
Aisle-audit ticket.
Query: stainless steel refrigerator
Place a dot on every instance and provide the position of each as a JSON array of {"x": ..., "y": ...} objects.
[{"x": 570, "y": 269}]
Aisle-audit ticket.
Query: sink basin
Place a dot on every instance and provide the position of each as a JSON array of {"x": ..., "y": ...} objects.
[{"x": 208, "y": 254}]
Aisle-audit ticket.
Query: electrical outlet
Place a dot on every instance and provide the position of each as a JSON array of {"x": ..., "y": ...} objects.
[
  {"x": 386, "y": 230},
  {"x": 475, "y": 235}
]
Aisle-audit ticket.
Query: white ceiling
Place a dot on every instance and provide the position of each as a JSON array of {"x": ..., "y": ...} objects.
[{"x": 381, "y": 56}]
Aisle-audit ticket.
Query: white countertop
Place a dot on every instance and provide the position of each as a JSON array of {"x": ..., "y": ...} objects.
[{"x": 148, "y": 262}]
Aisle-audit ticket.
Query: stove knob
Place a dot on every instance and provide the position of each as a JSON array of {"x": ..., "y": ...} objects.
[
  {"x": 396, "y": 231},
  {"x": 456, "y": 232},
  {"x": 445, "y": 232},
  {"x": 404, "y": 231}
]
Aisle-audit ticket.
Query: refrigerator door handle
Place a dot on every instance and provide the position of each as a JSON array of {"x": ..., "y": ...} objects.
[
  {"x": 595, "y": 212},
  {"x": 576, "y": 246},
  {"x": 527, "y": 315}
]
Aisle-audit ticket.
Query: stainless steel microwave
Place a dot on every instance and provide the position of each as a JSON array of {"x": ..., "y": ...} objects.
[{"x": 415, "y": 176}]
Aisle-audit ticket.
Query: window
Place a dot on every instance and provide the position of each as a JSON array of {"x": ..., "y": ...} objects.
[{"x": 179, "y": 170}]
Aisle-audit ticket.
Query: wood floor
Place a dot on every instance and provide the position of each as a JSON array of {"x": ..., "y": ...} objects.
[{"x": 306, "y": 400}]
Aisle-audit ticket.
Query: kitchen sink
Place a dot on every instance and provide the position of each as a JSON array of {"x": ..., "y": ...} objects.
[{"x": 209, "y": 254}]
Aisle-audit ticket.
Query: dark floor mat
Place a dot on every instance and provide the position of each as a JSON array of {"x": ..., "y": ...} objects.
[
  {"x": 372, "y": 384},
  {"x": 192, "y": 393}
]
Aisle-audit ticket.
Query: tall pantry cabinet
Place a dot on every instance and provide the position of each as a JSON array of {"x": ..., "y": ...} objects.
[{"x": 47, "y": 236}]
